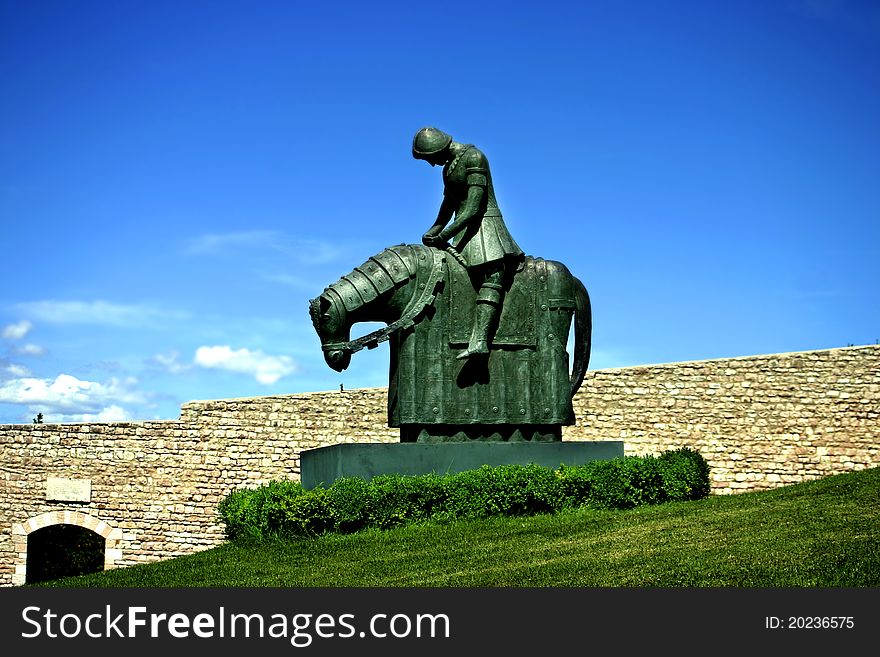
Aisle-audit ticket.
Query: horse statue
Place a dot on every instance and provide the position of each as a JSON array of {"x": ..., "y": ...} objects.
[{"x": 523, "y": 389}]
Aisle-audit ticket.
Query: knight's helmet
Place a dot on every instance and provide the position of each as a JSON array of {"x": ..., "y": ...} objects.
[{"x": 429, "y": 141}]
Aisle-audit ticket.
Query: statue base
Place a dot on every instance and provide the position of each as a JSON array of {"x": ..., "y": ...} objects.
[
  {"x": 463, "y": 433},
  {"x": 324, "y": 465}
]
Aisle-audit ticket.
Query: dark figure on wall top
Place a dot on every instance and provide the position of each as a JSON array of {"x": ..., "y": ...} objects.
[{"x": 482, "y": 242}]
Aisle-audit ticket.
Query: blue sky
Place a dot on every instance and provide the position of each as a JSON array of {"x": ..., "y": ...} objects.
[{"x": 177, "y": 179}]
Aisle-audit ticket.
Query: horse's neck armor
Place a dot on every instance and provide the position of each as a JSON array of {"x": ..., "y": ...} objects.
[
  {"x": 390, "y": 269},
  {"x": 376, "y": 276}
]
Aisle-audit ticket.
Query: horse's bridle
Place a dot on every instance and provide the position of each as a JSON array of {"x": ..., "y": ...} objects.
[{"x": 412, "y": 312}]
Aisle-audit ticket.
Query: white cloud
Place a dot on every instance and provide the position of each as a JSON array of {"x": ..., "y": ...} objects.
[
  {"x": 111, "y": 413},
  {"x": 68, "y": 395},
  {"x": 97, "y": 312},
  {"x": 264, "y": 368},
  {"x": 17, "y": 331}
]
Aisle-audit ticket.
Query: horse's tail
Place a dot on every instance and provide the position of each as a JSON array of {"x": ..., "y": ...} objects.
[{"x": 583, "y": 331}]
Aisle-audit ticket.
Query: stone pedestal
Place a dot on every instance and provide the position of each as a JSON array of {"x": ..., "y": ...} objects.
[{"x": 322, "y": 466}]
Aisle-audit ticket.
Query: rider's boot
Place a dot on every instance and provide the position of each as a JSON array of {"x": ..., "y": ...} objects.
[{"x": 479, "y": 342}]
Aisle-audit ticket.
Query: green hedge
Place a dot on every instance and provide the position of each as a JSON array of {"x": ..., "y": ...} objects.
[{"x": 286, "y": 509}]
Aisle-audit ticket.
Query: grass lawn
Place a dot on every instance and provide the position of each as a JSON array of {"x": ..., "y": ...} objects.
[{"x": 824, "y": 533}]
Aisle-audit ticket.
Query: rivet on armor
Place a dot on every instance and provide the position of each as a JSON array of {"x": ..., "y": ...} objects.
[
  {"x": 546, "y": 411},
  {"x": 543, "y": 306},
  {"x": 550, "y": 335},
  {"x": 435, "y": 410},
  {"x": 467, "y": 411},
  {"x": 494, "y": 409},
  {"x": 522, "y": 411}
]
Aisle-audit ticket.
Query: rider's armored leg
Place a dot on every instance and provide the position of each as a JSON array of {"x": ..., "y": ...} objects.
[{"x": 489, "y": 301}]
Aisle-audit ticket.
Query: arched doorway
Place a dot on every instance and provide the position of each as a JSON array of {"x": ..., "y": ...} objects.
[
  {"x": 62, "y": 550},
  {"x": 93, "y": 544}
]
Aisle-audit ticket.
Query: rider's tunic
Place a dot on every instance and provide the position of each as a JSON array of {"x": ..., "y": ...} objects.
[{"x": 485, "y": 238}]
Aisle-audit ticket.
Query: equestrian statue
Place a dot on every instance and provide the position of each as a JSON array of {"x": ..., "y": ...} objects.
[{"x": 478, "y": 330}]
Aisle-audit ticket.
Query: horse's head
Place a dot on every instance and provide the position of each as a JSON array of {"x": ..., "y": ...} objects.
[
  {"x": 328, "y": 318},
  {"x": 380, "y": 290}
]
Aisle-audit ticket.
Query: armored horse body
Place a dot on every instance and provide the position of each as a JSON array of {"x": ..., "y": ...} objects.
[{"x": 521, "y": 391}]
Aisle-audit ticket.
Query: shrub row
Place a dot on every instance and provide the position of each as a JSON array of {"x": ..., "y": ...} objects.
[{"x": 286, "y": 509}]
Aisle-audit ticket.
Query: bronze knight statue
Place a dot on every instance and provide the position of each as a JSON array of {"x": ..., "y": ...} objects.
[
  {"x": 481, "y": 237},
  {"x": 478, "y": 330}
]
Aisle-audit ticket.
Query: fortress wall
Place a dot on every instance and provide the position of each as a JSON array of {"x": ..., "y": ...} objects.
[
  {"x": 760, "y": 421},
  {"x": 154, "y": 484}
]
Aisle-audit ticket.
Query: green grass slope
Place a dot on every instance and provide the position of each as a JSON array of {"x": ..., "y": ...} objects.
[{"x": 824, "y": 533}]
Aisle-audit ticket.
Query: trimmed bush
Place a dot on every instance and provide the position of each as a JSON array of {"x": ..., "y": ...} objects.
[
  {"x": 611, "y": 486},
  {"x": 394, "y": 500},
  {"x": 347, "y": 496},
  {"x": 258, "y": 513},
  {"x": 285, "y": 509},
  {"x": 306, "y": 514},
  {"x": 685, "y": 474},
  {"x": 507, "y": 490}
]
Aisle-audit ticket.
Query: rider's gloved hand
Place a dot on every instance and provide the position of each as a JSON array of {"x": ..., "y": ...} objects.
[{"x": 432, "y": 237}]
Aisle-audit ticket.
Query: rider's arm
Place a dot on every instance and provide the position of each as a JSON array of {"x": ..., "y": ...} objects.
[
  {"x": 469, "y": 209},
  {"x": 477, "y": 180},
  {"x": 443, "y": 217},
  {"x": 444, "y": 214}
]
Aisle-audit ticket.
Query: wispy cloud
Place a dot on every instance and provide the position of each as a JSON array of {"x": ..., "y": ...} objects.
[
  {"x": 17, "y": 370},
  {"x": 170, "y": 362},
  {"x": 98, "y": 312},
  {"x": 297, "y": 282},
  {"x": 18, "y": 330},
  {"x": 303, "y": 251},
  {"x": 69, "y": 399},
  {"x": 314, "y": 252},
  {"x": 264, "y": 368},
  {"x": 212, "y": 243},
  {"x": 30, "y": 350}
]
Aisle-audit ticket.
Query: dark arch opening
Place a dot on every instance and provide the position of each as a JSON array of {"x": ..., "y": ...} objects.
[{"x": 63, "y": 551}]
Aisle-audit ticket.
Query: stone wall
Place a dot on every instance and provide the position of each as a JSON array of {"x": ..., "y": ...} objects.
[
  {"x": 156, "y": 485},
  {"x": 153, "y": 487},
  {"x": 760, "y": 421}
]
